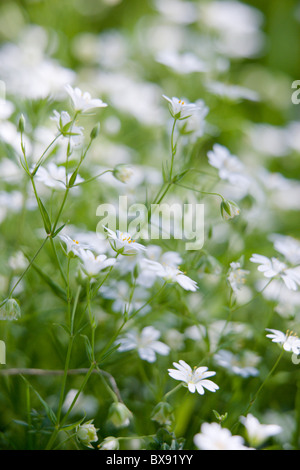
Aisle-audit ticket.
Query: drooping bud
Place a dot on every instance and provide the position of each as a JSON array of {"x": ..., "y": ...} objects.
[
  {"x": 10, "y": 310},
  {"x": 122, "y": 173},
  {"x": 229, "y": 209},
  {"x": 163, "y": 414},
  {"x": 109, "y": 443},
  {"x": 119, "y": 415}
]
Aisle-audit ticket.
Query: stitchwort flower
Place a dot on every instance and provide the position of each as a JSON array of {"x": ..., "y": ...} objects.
[{"x": 195, "y": 379}]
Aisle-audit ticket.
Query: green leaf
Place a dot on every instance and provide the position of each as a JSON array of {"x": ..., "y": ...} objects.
[
  {"x": 53, "y": 286},
  {"x": 46, "y": 218},
  {"x": 88, "y": 347},
  {"x": 47, "y": 408}
]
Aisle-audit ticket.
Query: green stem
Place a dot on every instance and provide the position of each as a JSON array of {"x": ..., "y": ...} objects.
[{"x": 24, "y": 272}]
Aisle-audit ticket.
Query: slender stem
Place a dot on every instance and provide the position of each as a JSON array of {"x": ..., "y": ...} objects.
[
  {"x": 173, "y": 148},
  {"x": 61, "y": 209},
  {"x": 64, "y": 380},
  {"x": 201, "y": 192},
  {"x": 58, "y": 261},
  {"x": 24, "y": 272}
]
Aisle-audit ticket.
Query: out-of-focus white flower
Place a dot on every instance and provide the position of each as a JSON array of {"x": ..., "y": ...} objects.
[
  {"x": 18, "y": 262},
  {"x": 236, "y": 25},
  {"x": 243, "y": 366},
  {"x": 87, "y": 403},
  {"x": 171, "y": 274},
  {"x": 87, "y": 433},
  {"x": 195, "y": 379},
  {"x": 82, "y": 101},
  {"x": 6, "y": 108},
  {"x": 92, "y": 265},
  {"x": 290, "y": 342},
  {"x": 54, "y": 176},
  {"x": 289, "y": 247},
  {"x": 230, "y": 167},
  {"x": 147, "y": 277},
  {"x": 28, "y": 71},
  {"x": 236, "y": 276},
  {"x": 214, "y": 437},
  {"x": 182, "y": 63},
  {"x": 195, "y": 125},
  {"x": 177, "y": 11},
  {"x": 232, "y": 92},
  {"x": 273, "y": 267},
  {"x": 119, "y": 292},
  {"x": 123, "y": 242},
  {"x": 146, "y": 343},
  {"x": 258, "y": 433},
  {"x": 179, "y": 109}
]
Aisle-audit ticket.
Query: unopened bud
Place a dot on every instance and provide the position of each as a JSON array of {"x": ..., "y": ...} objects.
[
  {"x": 119, "y": 415},
  {"x": 10, "y": 310},
  {"x": 22, "y": 123},
  {"x": 229, "y": 209},
  {"x": 95, "y": 131},
  {"x": 123, "y": 173},
  {"x": 109, "y": 443}
]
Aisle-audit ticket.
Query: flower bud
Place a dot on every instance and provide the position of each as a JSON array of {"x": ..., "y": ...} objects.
[
  {"x": 119, "y": 415},
  {"x": 87, "y": 433},
  {"x": 109, "y": 443},
  {"x": 122, "y": 173},
  {"x": 229, "y": 209},
  {"x": 163, "y": 414},
  {"x": 10, "y": 310},
  {"x": 22, "y": 123},
  {"x": 95, "y": 131}
]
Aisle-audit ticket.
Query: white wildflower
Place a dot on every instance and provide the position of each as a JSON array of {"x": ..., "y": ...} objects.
[{"x": 195, "y": 379}]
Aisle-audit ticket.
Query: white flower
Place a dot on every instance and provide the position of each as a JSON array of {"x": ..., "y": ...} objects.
[
  {"x": 195, "y": 379},
  {"x": 123, "y": 241},
  {"x": 171, "y": 274},
  {"x": 273, "y": 267},
  {"x": 257, "y": 433},
  {"x": 87, "y": 433},
  {"x": 243, "y": 366},
  {"x": 72, "y": 246},
  {"x": 289, "y": 341},
  {"x": 214, "y": 437},
  {"x": 74, "y": 133},
  {"x": 230, "y": 167},
  {"x": 54, "y": 176},
  {"x": 146, "y": 276},
  {"x": 146, "y": 343},
  {"x": 179, "y": 109},
  {"x": 236, "y": 276},
  {"x": 83, "y": 102},
  {"x": 92, "y": 264}
]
